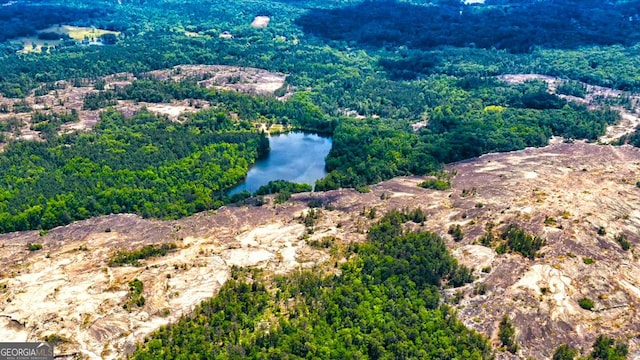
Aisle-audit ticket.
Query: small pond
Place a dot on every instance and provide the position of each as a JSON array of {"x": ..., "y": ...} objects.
[{"x": 295, "y": 156}]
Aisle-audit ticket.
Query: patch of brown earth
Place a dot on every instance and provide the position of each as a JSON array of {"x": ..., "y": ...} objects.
[
  {"x": 68, "y": 288},
  {"x": 245, "y": 79},
  {"x": 260, "y": 22},
  {"x": 563, "y": 193},
  {"x": 67, "y": 98}
]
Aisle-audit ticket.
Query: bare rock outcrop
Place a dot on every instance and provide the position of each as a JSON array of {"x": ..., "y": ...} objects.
[{"x": 579, "y": 197}]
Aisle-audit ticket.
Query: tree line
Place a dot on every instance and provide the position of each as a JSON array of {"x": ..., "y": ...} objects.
[
  {"x": 385, "y": 303},
  {"x": 144, "y": 164}
]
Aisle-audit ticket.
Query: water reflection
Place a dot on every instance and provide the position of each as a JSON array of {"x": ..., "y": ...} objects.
[{"x": 295, "y": 156}]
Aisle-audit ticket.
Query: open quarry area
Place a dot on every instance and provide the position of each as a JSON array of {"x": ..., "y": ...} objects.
[
  {"x": 66, "y": 96},
  {"x": 578, "y": 197}
]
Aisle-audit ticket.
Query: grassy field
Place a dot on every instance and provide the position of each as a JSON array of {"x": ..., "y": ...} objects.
[
  {"x": 77, "y": 33},
  {"x": 33, "y": 44}
]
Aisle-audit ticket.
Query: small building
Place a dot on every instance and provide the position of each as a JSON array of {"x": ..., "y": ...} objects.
[{"x": 226, "y": 35}]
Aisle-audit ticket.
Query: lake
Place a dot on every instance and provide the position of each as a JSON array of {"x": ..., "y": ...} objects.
[{"x": 295, "y": 156}]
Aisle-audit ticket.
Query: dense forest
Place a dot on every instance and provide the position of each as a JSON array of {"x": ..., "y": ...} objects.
[
  {"x": 23, "y": 18},
  {"x": 384, "y": 65},
  {"x": 385, "y": 304},
  {"x": 143, "y": 164},
  {"x": 466, "y": 119},
  {"x": 517, "y": 26}
]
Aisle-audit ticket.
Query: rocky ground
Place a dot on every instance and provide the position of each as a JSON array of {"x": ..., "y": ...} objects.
[
  {"x": 69, "y": 289},
  {"x": 68, "y": 97},
  {"x": 564, "y": 193}
]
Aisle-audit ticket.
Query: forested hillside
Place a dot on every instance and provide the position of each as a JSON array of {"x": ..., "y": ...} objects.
[
  {"x": 143, "y": 164},
  {"x": 517, "y": 26},
  {"x": 366, "y": 79},
  {"x": 385, "y": 304}
]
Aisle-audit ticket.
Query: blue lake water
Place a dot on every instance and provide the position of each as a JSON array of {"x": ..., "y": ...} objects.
[{"x": 295, "y": 156}]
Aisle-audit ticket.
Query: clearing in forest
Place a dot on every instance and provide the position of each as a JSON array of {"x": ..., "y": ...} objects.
[
  {"x": 77, "y": 33},
  {"x": 260, "y": 22}
]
